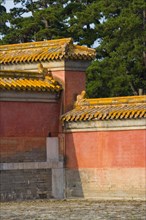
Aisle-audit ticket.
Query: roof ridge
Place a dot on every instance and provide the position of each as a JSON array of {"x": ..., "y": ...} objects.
[
  {"x": 83, "y": 101},
  {"x": 37, "y": 43},
  {"x": 117, "y": 100},
  {"x": 81, "y": 47},
  {"x": 48, "y": 50}
]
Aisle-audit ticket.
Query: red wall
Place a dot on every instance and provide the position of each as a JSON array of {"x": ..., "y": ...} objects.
[
  {"x": 22, "y": 149},
  {"x": 106, "y": 149},
  {"x": 22, "y": 122},
  {"x": 73, "y": 83},
  {"x": 24, "y": 127},
  {"x": 19, "y": 119}
]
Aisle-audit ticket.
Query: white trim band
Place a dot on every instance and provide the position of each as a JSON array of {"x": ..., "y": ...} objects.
[{"x": 110, "y": 125}]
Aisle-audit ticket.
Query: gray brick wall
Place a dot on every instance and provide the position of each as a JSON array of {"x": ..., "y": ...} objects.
[{"x": 25, "y": 184}]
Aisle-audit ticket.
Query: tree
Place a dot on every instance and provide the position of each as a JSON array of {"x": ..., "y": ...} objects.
[
  {"x": 82, "y": 18},
  {"x": 3, "y": 26},
  {"x": 34, "y": 21},
  {"x": 2, "y": 8},
  {"x": 118, "y": 26},
  {"x": 47, "y": 19},
  {"x": 121, "y": 63}
]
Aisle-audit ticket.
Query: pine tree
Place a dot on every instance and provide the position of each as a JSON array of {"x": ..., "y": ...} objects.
[
  {"x": 82, "y": 17},
  {"x": 118, "y": 26},
  {"x": 47, "y": 19},
  {"x": 3, "y": 26},
  {"x": 121, "y": 66},
  {"x": 35, "y": 20}
]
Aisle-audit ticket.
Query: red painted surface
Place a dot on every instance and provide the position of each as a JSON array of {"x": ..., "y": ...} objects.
[
  {"x": 73, "y": 83},
  {"x": 59, "y": 76},
  {"x": 12, "y": 146},
  {"x": 18, "y": 119},
  {"x": 106, "y": 149},
  {"x": 26, "y": 119}
]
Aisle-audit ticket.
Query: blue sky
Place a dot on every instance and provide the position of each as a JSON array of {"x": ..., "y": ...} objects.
[{"x": 9, "y": 4}]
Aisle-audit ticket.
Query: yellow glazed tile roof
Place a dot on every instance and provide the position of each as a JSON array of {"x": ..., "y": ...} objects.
[
  {"x": 130, "y": 107},
  {"x": 48, "y": 50},
  {"x": 24, "y": 81}
]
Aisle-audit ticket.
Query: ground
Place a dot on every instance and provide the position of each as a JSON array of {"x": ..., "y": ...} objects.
[{"x": 73, "y": 210}]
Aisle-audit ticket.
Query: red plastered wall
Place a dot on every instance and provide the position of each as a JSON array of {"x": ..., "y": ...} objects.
[
  {"x": 106, "y": 149},
  {"x": 73, "y": 83},
  {"x": 22, "y": 149},
  {"x": 18, "y": 119}
]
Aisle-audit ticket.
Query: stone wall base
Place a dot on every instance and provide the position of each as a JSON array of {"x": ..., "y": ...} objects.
[
  {"x": 31, "y": 180},
  {"x": 25, "y": 184},
  {"x": 96, "y": 183}
]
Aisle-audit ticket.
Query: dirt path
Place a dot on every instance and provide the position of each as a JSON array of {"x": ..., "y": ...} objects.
[{"x": 73, "y": 209}]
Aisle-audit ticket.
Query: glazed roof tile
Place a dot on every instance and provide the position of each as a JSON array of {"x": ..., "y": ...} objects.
[
  {"x": 128, "y": 107},
  {"x": 48, "y": 50},
  {"x": 28, "y": 81}
]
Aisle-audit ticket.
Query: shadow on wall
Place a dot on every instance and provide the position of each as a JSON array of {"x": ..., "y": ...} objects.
[
  {"x": 73, "y": 183},
  {"x": 105, "y": 164}
]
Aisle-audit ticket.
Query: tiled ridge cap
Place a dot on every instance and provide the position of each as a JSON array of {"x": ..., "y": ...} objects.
[
  {"x": 44, "y": 43},
  {"x": 83, "y": 48},
  {"x": 111, "y": 101},
  {"x": 49, "y": 50},
  {"x": 59, "y": 42}
]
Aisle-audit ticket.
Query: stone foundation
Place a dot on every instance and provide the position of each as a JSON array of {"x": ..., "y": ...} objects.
[
  {"x": 25, "y": 184},
  {"x": 31, "y": 180},
  {"x": 118, "y": 183}
]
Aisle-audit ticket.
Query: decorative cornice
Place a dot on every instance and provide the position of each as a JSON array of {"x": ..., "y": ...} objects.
[
  {"x": 56, "y": 65},
  {"x": 15, "y": 96},
  {"x": 115, "y": 125}
]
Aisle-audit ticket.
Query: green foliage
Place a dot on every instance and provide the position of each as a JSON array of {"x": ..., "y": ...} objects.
[
  {"x": 44, "y": 20},
  {"x": 121, "y": 65},
  {"x": 118, "y": 26},
  {"x": 83, "y": 16},
  {"x": 3, "y": 26}
]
